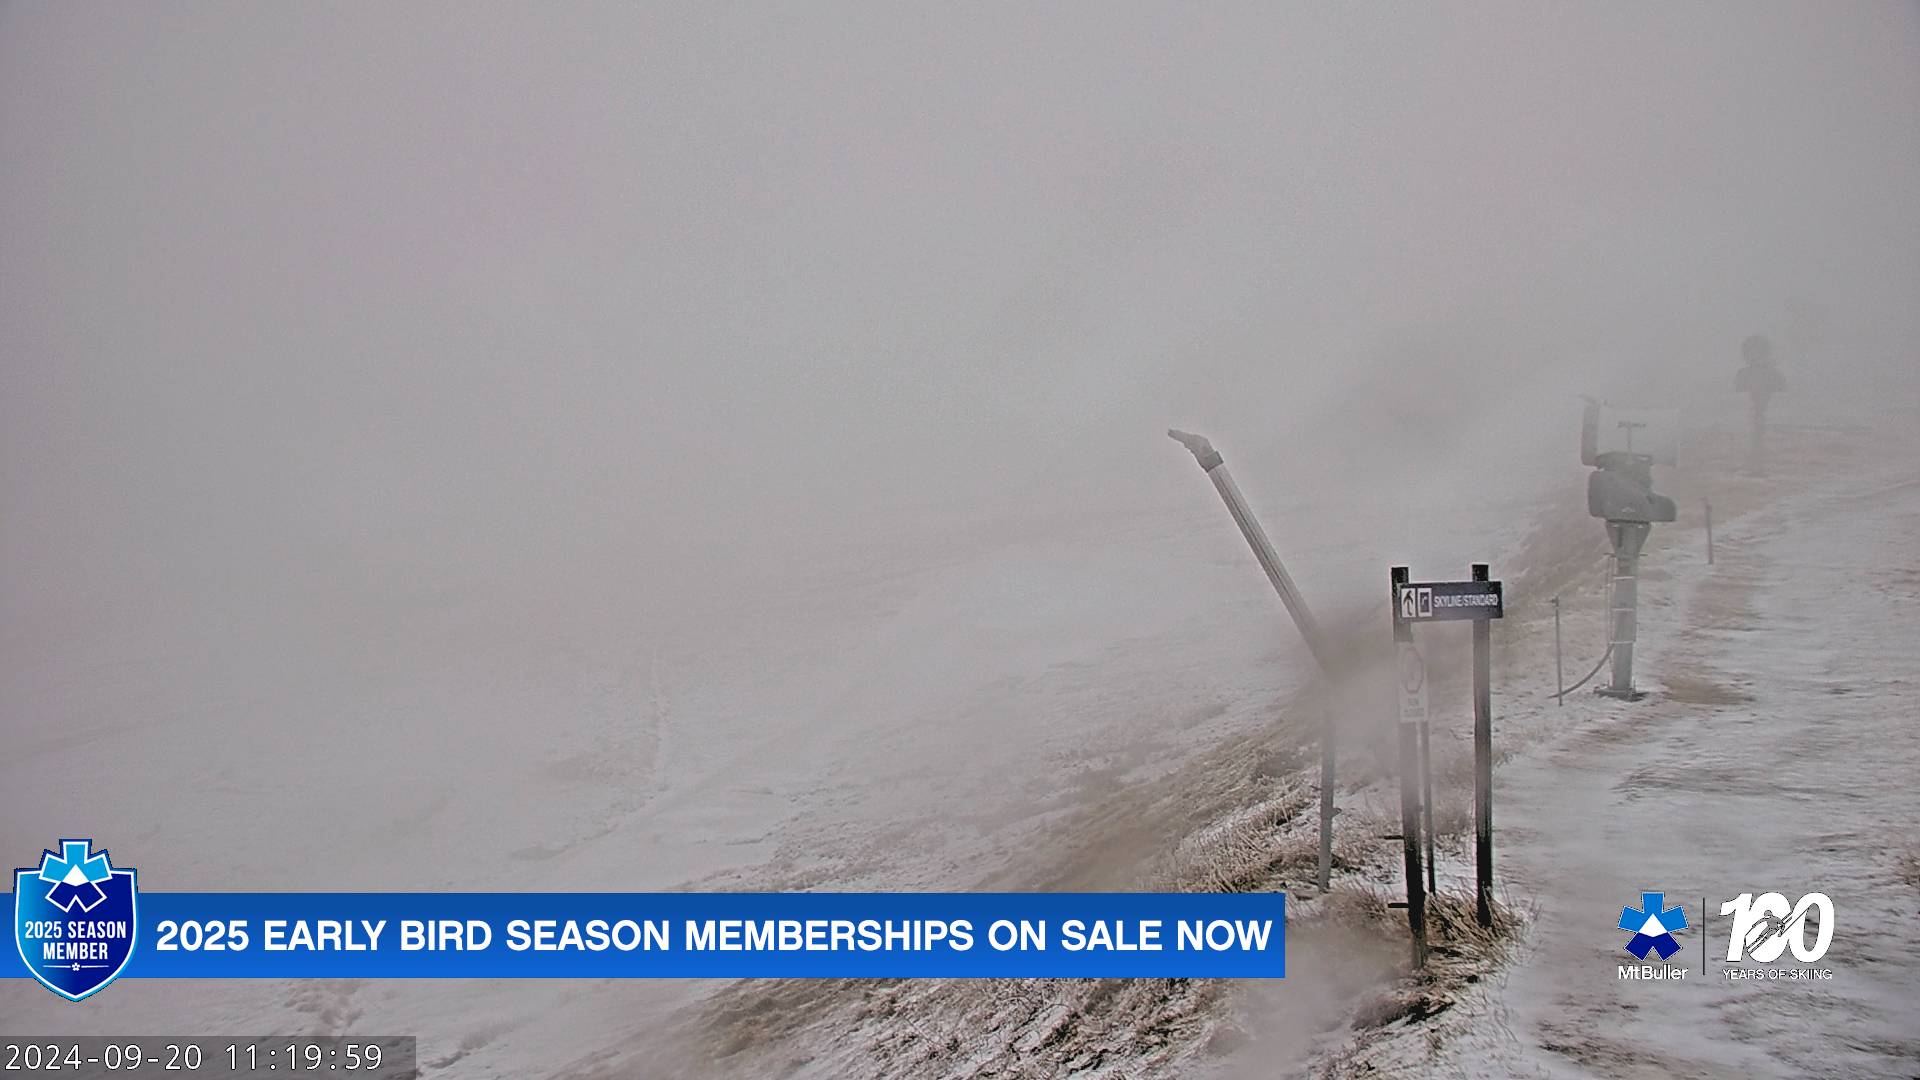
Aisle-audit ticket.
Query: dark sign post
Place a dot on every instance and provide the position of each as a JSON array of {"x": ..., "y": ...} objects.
[
  {"x": 1480, "y": 600},
  {"x": 1409, "y": 787},
  {"x": 1483, "y": 758}
]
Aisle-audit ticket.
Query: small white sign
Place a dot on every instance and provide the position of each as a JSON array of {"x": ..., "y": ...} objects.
[
  {"x": 1416, "y": 602},
  {"x": 1413, "y": 684}
]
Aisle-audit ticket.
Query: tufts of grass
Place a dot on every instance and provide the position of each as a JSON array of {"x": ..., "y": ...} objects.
[
  {"x": 1249, "y": 854},
  {"x": 1280, "y": 763},
  {"x": 1412, "y": 1004},
  {"x": 1460, "y": 950},
  {"x": 1451, "y": 923},
  {"x": 1907, "y": 866}
]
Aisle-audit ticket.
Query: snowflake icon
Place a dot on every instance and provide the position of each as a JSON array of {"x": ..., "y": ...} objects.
[
  {"x": 1652, "y": 926},
  {"x": 75, "y": 877}
]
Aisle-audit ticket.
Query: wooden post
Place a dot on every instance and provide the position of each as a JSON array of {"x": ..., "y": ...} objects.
[
  {"x": 1483, "y": 762},
  {"x": 1409, "y": 795}
]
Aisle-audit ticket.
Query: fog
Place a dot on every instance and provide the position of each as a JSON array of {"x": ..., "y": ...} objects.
[
  {"x": 319, "y": 309},
  {"x": 416, "y": 348}
]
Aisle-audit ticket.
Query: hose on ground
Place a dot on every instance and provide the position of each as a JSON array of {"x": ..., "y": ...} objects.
[
  {"x": 1607, "y": 606},
  {"x": 1596, "y": 670}
]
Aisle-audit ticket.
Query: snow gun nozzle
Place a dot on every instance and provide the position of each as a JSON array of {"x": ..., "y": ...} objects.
[{"x": 1203, "y": 451}]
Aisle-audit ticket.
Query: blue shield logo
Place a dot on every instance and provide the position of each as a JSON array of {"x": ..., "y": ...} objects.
[
  {"x": 1652, "y": 925},
  {"x": 74, "y": 919}
]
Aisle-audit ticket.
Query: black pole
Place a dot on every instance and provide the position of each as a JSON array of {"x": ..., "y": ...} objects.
[
  {"x": 1426, "y": 796},
  {"x": 1328, "y": 751},
  {"x": 1410, "y": 845},
  {"x": 1483, "y": 762},
  {"x": 1559, "y": 674},
  {"x": 1409, "y": 795}
]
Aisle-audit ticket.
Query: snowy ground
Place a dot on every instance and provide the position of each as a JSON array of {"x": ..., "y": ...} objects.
[
  {"x": 1777, "y": 752},
  {"x": 913, "y": 712},
  {"x": 928, "y": 715}
]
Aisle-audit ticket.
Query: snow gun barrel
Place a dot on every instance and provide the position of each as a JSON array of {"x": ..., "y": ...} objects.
[
  {"x": 1216, "y": 468},
  {"x": 1203, "y": 451}
]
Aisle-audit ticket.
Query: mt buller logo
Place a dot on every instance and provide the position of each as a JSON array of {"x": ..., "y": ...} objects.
[
  {"x": 74, "y": 918},
  {"x": 1652, "y": 926}
]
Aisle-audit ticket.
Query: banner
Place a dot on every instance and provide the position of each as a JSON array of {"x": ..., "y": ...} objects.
[{"x": 703, "y": 935}]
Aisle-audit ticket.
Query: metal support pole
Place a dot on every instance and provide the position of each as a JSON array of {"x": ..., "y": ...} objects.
[
  {"x": 1628, "y": 538},
  {"x": 1483, "y": 762},
  {"x": 1559, "y": 675},
  {"x": 1216, "y": 469},
  {"x": 1410, "y": 803},
  {"x": 1626, "y": 621}
]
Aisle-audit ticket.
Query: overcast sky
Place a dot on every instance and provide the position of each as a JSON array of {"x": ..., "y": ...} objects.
[{"x": 340, "y": 302}]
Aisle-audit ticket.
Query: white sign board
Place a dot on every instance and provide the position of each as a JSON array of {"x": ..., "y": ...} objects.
[{"x": 1413, "y": 684}]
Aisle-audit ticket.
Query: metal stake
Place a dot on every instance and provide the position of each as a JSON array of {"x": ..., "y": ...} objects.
[
  {"x": 1709, "y": 504},
  {"x": 1559, "y": 675}
]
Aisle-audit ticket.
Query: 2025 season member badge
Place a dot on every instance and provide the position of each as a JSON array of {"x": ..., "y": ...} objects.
[{"x": 74, "y": 919}]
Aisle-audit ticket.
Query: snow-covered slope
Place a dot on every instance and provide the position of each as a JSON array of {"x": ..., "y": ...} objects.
[
  {"x": 1777, "y": 753},
  {"x": 907, "y": 715}
]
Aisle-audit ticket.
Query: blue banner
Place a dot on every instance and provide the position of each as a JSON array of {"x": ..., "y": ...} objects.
[{"x": 708, "y": 935}]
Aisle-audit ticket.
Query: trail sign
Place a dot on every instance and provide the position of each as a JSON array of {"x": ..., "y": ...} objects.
[
  {"x": 1478, "y": 601},
  {"x": 1439, "y": 601}
]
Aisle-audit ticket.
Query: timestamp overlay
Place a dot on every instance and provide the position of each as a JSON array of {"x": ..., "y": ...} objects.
[{"x": 388, "y": 1057}]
